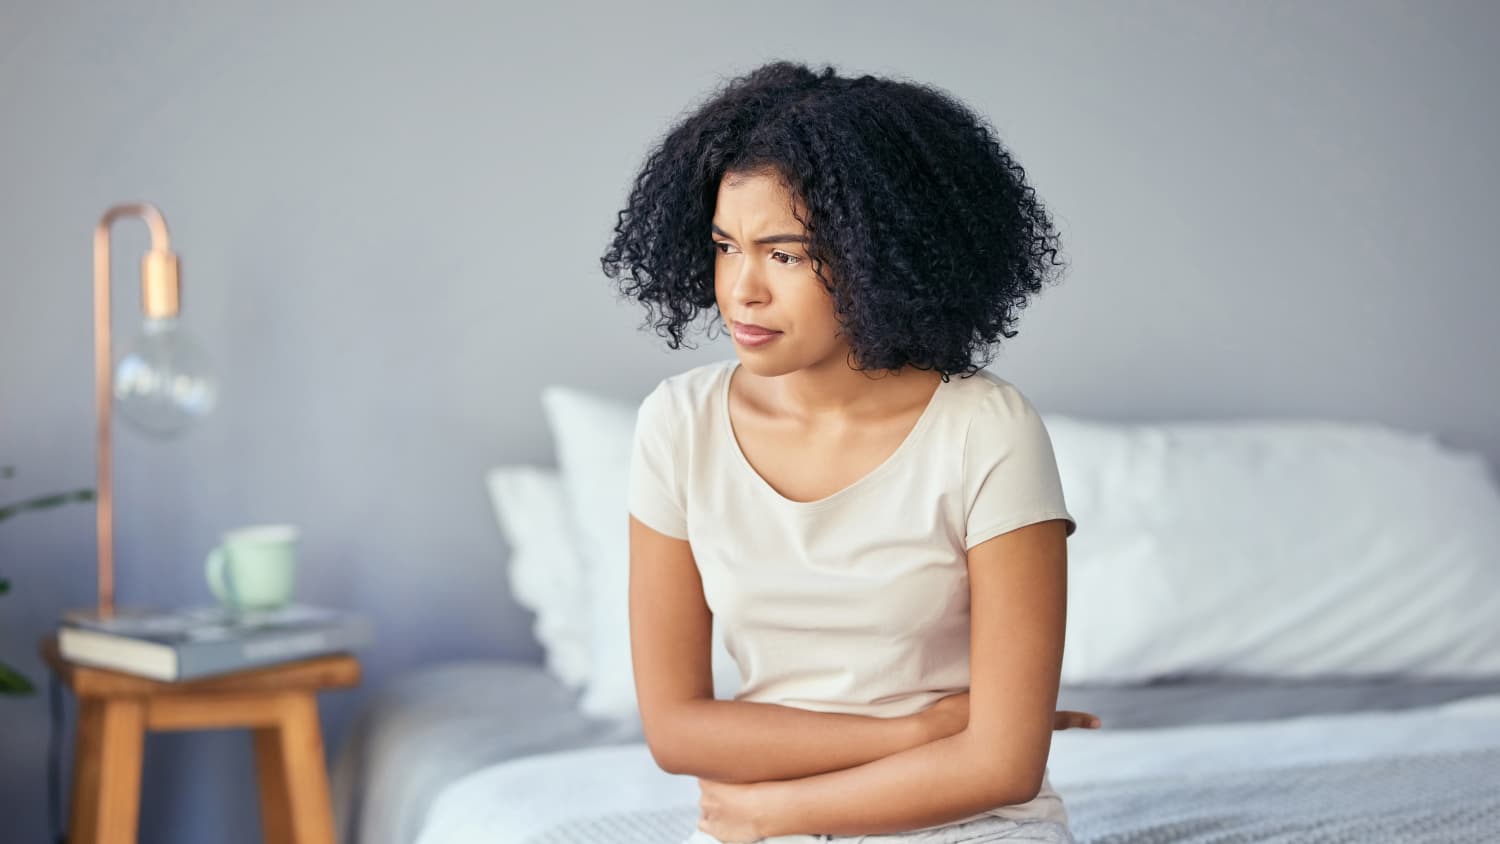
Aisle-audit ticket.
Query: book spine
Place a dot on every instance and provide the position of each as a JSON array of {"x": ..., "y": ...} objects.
[{"x": 204, "y": 659}]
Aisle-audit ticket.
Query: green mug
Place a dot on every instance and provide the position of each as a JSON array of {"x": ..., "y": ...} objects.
[{"x": 254, "y": 568}]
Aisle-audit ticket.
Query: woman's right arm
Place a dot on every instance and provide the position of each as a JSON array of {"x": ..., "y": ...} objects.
[{"x": 688, "y": 731}]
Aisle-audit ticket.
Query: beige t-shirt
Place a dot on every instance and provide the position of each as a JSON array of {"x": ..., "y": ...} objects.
[{"x": 857, "y": 602}]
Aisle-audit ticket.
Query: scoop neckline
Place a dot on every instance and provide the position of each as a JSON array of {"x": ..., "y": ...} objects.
[{"x": 923, "y": 422}]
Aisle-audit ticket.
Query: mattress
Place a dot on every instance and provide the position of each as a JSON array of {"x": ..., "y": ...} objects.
[
  {"x": 469, "y": 751},
  {"x": 427, "y": 728},
  {"x": 1427, "y": 774}
]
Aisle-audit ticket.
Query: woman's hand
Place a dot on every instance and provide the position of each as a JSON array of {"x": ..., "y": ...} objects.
[
  {"x": 950, "y": 715},
  {"x": 733, "y": 813},
  {"x": 1065, "y": 718},
  {"x": 740, "y": 813}
]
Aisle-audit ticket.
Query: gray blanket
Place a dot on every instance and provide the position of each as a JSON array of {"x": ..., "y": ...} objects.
[
  {"x": 1452, "y": 798},
  {"x": 426, "y": 729}
]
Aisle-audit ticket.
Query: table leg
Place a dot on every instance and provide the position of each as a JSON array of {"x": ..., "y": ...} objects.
[
  {"x": 296, "y": 805},
  {"x": 275, "y": 806},
  {"x": 106, "y": 798},
  {"x": 83, "y": 814}
]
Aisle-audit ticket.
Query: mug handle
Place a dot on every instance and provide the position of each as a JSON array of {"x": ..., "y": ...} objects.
[{"x": 213, "y": 570}]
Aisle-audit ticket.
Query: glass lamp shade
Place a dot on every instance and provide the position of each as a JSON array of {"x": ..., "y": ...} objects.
[{"x": 162, "y": 382}]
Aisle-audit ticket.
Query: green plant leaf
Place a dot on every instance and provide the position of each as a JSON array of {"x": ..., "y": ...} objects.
[
  {"x": 43, "y": 502},
  {"x": 12, "y": 682},
  {"x": 4, "y": 586}
]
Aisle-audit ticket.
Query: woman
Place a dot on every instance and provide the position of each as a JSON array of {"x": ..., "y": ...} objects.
[{"x": 882, "y": 545}]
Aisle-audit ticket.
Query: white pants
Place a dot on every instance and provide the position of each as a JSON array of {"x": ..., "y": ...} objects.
[{"x": 977, "y": 831}]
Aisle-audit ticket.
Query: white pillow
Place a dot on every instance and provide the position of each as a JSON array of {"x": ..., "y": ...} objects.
[
  {"x": 593, "y": 436},
  {"x": 1290, "y": 548},
  {"x": 1293, "y": 548},
  {"x": 545, "y": 571}
]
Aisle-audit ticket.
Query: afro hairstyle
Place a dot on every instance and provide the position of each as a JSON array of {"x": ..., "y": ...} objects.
[{"x": 920, "y": 224}]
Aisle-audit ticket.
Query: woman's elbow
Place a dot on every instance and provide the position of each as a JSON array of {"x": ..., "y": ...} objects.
[
  {"x": 660, "y": 742},
  {"x": 1023, "y": 793},
  {"x": 1017, "y": 786},
  {"x": 668, "y": 729},
  {"x": 1012, "y": 781},
  {"x": 664, "y": 758}
]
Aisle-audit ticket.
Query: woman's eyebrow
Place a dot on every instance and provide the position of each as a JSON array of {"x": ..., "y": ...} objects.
[{"x": 775, "y": 238}]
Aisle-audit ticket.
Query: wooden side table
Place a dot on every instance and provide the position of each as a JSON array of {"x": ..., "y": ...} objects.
[{"x": 277, "y": 703}]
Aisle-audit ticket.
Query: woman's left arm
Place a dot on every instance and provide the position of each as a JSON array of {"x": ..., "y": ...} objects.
[{"x": 1018, "y": 607}]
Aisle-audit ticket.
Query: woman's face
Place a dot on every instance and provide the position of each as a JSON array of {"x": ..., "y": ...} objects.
[{"x": 762, "y": 275}]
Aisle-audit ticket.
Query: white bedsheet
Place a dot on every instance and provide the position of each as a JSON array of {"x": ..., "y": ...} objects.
[{"x": 522, "y": 797}]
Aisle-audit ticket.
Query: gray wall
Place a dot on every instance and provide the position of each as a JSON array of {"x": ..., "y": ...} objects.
[{"x": 390, "y": 217}]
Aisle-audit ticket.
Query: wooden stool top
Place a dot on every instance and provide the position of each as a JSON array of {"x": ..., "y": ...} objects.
[{"x": 323, "y": 672}]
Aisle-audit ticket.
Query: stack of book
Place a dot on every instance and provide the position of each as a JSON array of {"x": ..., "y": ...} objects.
[{"x": 188, "y": 643}]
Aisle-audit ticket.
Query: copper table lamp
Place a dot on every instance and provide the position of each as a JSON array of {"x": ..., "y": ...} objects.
[{"x": 161, "y": 382}]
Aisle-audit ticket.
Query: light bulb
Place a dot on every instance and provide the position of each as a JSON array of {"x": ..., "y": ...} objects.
[{"x": 162, "y": 383}]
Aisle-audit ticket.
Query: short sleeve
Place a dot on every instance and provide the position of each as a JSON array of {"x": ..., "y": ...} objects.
[
  {"x": 655, "y": 496},
  {"x": 1010, "y": 470}
]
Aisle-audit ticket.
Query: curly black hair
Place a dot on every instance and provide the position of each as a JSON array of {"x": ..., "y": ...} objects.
[{"x": 934, "y": 239}]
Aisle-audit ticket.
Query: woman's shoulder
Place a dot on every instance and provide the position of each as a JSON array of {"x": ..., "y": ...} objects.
[
  {"x": 696, "y": 384},
  {"x": 700, "y": 377},
  {"x": 988, "y": 396},
  {"x": 689, "y": 393}
]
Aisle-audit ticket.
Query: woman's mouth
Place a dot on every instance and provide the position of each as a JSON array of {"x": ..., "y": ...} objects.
[{"x": 753, "y": 337}]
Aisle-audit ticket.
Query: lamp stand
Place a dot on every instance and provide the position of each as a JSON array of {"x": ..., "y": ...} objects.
[{"x": 160, "y": 292}]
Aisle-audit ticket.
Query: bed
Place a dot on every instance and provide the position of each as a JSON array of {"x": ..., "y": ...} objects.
[
  {"x": 495, "y": 752},
  {"x": 1290, "y": 630}
]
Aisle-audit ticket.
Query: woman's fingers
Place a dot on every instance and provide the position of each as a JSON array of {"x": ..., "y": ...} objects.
[{"x": 1067, "y": 718}]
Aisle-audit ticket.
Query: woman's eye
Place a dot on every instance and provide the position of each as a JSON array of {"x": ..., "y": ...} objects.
[{"x": 723, "y": 246}]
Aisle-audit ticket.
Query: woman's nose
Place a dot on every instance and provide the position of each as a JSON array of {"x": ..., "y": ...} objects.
[{"x": 748, "y": 285}]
